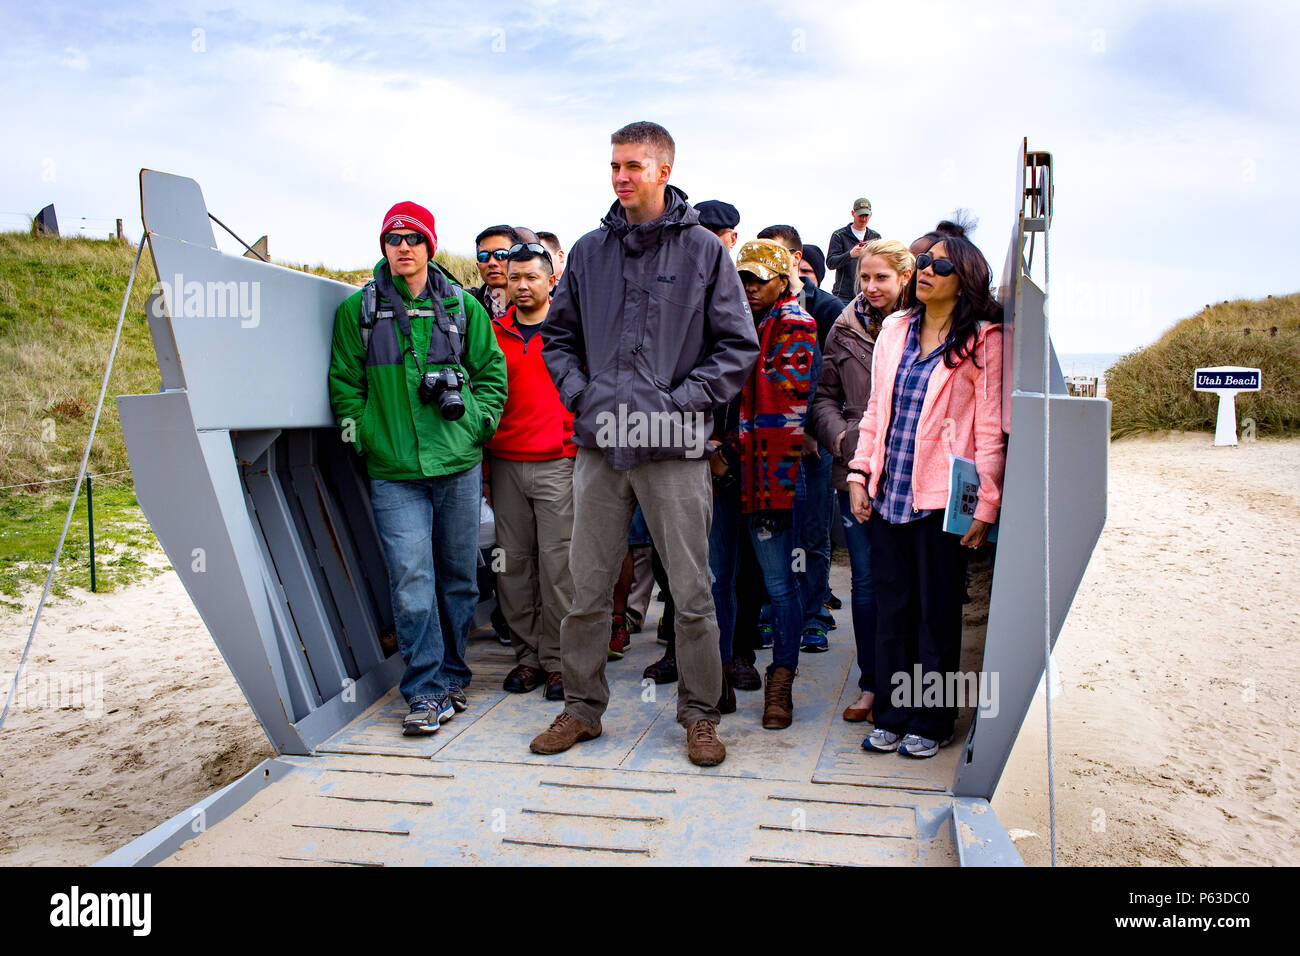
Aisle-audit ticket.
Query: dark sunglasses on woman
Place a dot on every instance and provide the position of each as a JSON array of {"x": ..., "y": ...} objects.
[
  {"x": 412, "y": 239},
  {"x": 500, "y": 255},
  {"x": 942, "y": 267}
]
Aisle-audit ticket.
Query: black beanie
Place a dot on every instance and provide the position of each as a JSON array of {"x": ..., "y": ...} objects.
[{"x": 817, "y": 259}]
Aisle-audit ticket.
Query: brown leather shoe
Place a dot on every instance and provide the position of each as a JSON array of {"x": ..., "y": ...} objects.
[
  {"x": 778, "y": 702},
  {"x": 565, "y": 731},
  {"x": 523, "y": 679},
  {"x": 727, "y": 702},
  {"x": 702, "y": 744},
  {"x": 856, "y": 715},
  {"x": 554, "y": 686}
]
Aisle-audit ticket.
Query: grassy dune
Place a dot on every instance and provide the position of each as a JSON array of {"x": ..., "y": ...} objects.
[
  {"x": 1151, "y": 389},
  {"x": 59, "y": 302}
]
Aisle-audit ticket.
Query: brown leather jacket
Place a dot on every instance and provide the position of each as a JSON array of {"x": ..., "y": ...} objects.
[{"x": 842, "y": 391}]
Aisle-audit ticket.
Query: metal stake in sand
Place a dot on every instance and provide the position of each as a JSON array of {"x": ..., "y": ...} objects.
[
  {"x": 81, "y": 473},
  {"x": 1226, "y": 381}
]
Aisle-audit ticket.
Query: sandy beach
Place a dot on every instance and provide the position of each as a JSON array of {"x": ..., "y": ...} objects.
[{"x": 1174, "y": 724}]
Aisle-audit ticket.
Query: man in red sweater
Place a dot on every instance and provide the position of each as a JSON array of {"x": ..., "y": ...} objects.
[{"x": 532, "y": 479}]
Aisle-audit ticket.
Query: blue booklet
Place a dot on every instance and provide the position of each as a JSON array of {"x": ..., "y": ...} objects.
[{"x": 963, "y": 496}]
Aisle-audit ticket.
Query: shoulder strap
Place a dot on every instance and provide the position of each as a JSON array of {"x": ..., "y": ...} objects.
[{"x": 366, "y": 318}]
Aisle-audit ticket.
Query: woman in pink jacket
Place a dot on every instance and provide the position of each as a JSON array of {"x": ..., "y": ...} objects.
[{"x": 936, "y": 391}]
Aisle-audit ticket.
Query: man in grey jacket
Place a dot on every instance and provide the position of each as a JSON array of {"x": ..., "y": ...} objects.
[{"x": 648, "y": 332}]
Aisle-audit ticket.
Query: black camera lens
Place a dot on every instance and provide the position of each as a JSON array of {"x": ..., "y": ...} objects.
[{"x": 451, "y": 404}]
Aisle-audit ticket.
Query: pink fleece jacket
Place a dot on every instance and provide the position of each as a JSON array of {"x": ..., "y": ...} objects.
[{"x": 961, "y": 415}]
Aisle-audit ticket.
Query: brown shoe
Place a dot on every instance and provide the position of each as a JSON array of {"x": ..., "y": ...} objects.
[
  {"x": 727, "y": 702},
  {"x": 857, "y": 715},
  {"x": 702, "y": 744},
  {"x": 554, "y": 686},
  {"x": 523, "y": 679},
  {"x": 565, "y": 731},
  {"x": 778, "y": 703}
]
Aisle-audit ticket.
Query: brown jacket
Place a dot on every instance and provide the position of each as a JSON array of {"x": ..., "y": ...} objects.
[{"x": 842, "y": 391}]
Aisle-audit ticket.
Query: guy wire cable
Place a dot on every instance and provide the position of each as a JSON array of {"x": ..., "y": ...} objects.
[
  {"x": 237, "y": 239},
  {"x": 76, "y": 491}
]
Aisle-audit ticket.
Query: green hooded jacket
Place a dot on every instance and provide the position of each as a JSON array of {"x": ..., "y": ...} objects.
[{"x": 375, "y": 398}]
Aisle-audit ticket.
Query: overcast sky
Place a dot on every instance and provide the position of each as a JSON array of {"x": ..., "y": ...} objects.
[{"x": 1173, "y": 126}]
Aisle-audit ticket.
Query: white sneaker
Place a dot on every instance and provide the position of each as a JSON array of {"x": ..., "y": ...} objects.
[
  {"x": 882, "y": 742},
  {"x": 917, "y": 746}
]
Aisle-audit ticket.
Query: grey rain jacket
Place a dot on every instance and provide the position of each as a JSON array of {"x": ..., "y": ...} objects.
[{"x": 648, "y": 319}]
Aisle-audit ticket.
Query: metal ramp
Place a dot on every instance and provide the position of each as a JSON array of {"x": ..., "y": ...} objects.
[{"x": 474, "y": 793}]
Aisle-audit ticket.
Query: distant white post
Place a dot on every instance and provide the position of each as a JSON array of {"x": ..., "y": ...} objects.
[{"x": 1226, "y": 381}]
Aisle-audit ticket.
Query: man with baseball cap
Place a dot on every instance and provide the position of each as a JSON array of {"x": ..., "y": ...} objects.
[
  {"x": 417, "y": 383},
  {"x": 846, "y": 245}
]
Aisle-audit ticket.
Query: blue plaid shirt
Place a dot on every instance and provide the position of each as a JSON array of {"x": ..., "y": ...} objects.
[{"x": 894, "y": 491}]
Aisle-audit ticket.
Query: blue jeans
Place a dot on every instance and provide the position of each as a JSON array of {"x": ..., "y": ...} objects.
[
  {"x": 812, "y": 519},
  {"x": 774, "y": 552},
  {"x": 429, "y": 532},
  {"x": 863, "y": 595}
]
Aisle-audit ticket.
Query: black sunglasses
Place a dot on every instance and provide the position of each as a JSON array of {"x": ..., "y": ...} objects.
[
  {"x": 942, "y": 267},
  {"x": 412, "y": 239},
  {"x": 519, "y": 249},
  {"x": 500, "y": 255}
]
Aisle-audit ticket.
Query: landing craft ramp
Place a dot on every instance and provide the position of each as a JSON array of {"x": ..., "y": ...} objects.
[{"x": 265, "y": 515}]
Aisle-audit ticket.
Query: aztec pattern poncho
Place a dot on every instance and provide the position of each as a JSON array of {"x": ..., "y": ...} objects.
[{"x": 773, "y": 405}]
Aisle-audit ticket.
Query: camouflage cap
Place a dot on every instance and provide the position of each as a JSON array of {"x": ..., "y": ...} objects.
[{"x": 766, "y": 258}]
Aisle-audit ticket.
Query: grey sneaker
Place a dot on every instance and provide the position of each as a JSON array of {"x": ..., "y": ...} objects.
[
  {"x": 459, "y": 701},
  {"x": 916, "y": 746},
  {"x": 426, "y": 716},
  {"x": 882, "y": 741}
]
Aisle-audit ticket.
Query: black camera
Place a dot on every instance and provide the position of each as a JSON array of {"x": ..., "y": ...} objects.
[{"x": 444, "y": 387}]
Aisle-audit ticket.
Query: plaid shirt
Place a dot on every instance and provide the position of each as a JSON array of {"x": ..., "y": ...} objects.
[{"x": 894, "y": 491}]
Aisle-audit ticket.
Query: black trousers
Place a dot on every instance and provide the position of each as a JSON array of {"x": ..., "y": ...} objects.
[{"x": 919, "y": 573}]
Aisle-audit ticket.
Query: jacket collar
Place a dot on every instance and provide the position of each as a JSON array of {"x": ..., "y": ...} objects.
[{"x": 677, "y": 214}]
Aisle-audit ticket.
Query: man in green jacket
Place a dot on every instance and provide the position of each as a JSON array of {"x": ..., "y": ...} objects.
[{"x": 417, "y": 383}]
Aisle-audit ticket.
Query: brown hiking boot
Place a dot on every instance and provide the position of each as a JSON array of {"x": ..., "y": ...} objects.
[
  {"x": 778, "y": 704},
  {"x": 565, "y": 731},
  {"x": 702, "y": 744},
  {"x": 727, "y": 702}
]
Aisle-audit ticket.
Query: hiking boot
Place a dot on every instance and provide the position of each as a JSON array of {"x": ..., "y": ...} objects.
[
  {"x": 618, "y": 637},
  {"x": 565, "y": 731},
  {"x": 778, "y": 702},
  {"x": 554, "y": 686},
  {"x": 744, "y": 676},
  {"x": 662, "y": 671},
  {"x": 727, "y": 702},
  {"x": 523, "y": 679},
  {"x": 702, "y": 744}
]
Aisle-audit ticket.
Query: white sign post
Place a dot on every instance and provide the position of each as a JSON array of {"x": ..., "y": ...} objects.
[{"x": 1226, "y": 381}]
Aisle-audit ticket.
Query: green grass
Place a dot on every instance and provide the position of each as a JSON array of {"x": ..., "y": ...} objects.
[
  {"x": 1151, "y": 389},
  {"x": 29, "y": 533},
  {"x": 59, "y": 302}
]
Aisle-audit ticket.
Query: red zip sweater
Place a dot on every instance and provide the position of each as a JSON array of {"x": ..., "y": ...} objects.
[{"x": 534, "y": 424}]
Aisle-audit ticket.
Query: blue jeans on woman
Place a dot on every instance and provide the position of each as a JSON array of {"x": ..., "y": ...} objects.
[
  {"x": 429, "y": 532},
  {"x": 857, "y": 537},
  {"x": 774, "y": 550}
]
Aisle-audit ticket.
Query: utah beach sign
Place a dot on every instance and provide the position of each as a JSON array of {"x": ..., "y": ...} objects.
[{"x": 1227, "y": 381}]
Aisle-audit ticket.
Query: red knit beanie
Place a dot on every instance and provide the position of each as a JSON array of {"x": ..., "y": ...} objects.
[{"x": 409, "y": 215}]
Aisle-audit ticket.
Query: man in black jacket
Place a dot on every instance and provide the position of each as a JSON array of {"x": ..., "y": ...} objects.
[
  {"x": 846, "y": 245},
  {"x": 649, "y": 331}
]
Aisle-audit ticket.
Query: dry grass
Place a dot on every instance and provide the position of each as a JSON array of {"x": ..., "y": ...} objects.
[{"x": 1151, "y": 389}]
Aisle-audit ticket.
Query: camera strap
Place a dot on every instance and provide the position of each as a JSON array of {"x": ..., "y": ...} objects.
[{"x": 451, "y": 328}]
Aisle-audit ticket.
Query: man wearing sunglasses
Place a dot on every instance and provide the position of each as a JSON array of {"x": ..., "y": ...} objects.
[
  {"x": 649, "y": 322},
  {"x": 531, "y": 458},
  {"x": 417, "y": 383},
  {"x": 492, "y": 248}
]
